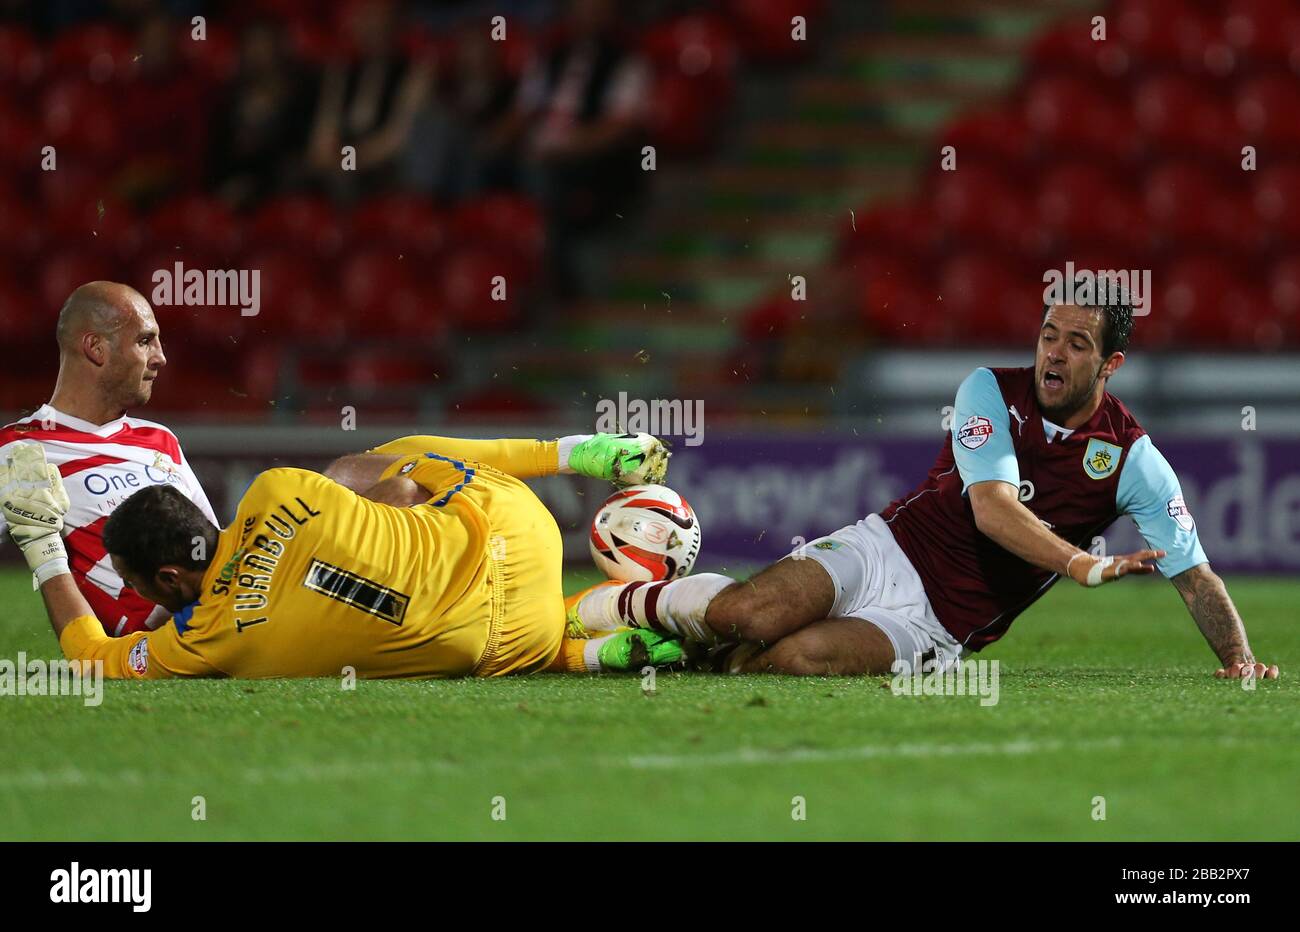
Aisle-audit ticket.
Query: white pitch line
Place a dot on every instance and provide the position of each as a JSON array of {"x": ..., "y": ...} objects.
[
  {"x": 750, "y": 756},
  {"x": 337, "y": 771}
]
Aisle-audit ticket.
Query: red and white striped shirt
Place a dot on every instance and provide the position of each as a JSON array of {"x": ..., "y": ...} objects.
[{"x": 101, "y": 465}]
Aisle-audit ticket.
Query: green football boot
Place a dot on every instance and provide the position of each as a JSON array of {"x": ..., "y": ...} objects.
[{"x": 633, "y": 649}]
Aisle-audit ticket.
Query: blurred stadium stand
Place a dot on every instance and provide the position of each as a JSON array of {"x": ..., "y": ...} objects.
[{"x": 822, "y": 162}]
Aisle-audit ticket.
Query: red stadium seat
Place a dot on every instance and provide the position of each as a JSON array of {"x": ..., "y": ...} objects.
[
  {"x": 904, "y": 226},
  {"x": 1284, "y": 286},
  {"x": 975, "y": 204},
  {"x": 64, "y": 271},
  {"x": 1264, "y": 32},
  {"x": 999, "y": 136},
  {"x": 20, "y": 140},
  {"x": 196, "y": 221},
  {"x": 81, "y": 120},
  {"x": 295, "y": 296},
  {"x": 1189, "y": 207},
  {"x": 1081, "y": 206},
  {"x": 904, "y": 310},
  {"x": 216, "y": 58},
  {"x": 468, "y": 279},
  {"x": 21, "y": 319},
  {"x": 385, "y": 296},
  {"x": 96, "y": 52},
  {"x": 497, "y": 401},
  {"x": 1268, "y": 110},
  {"x": 989, "y": 300},
  {"x": 1276, "y": 199},
  {"x": 1207, "y": 302},
  {"x": 384, "y": 367},
  {"x": 22, "y": 60},
  {"x": 409, "y": 224},
  {"x": 1180, "y": 116},
  {"x": 299, "y": 222},
  {"x": 763, "y": 27},
  {"x": 505, "y": 219},
  {"x": 1069, "y": 48},
  {"x": 1070, "y": 115},
  {"x": 105, "y": 224},
  {"x": 699, "y": 46},
  {"x": 1164, "y": 33},
  {"x": 21, "y": 234},
  {"x": 683, "y": 121},
  {"x": 695, "y": 60}
]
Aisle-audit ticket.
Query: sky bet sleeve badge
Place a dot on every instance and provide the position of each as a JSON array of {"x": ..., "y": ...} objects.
[{"x": 1101, "y": 459}]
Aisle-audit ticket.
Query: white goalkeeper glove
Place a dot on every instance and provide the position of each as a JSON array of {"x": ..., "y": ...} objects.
[{"x": 34, "y": 502}]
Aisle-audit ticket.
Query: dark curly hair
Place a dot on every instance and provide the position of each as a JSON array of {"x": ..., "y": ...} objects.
[
  {"x": 1116, "y": 308},
  {"x": 159, "y": 526}
]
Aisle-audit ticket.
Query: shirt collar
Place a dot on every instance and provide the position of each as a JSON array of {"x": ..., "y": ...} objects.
[
  {"x": 47, "y": 412},
  {"x": 1055, "y": 430}
]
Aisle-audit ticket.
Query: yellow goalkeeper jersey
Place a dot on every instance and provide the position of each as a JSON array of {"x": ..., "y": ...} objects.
[{"x": 311, "y": 578}]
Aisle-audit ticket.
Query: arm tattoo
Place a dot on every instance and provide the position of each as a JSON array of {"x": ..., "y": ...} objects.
[{"x": 1209, "y": 603}]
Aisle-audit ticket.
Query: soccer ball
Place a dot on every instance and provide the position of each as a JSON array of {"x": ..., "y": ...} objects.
[{"x": 645, "y": 533}]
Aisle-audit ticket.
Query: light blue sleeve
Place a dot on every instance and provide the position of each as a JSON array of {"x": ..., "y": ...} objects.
[
  {"x": 1149, "y": 493},
  {"x": 981, "y": 432}
]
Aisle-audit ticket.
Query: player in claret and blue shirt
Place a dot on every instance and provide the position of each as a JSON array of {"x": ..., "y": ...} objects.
[{"x": 1041, "y": 461}]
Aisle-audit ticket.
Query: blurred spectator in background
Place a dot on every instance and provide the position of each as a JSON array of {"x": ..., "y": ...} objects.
[
  {"x": 581, "y": 112},
  {"x": 262, "y": 121},
  {"x": 448, "y": 157},
  {"x": 164, "y": 113},
  {"x": 370, "y": 103}
]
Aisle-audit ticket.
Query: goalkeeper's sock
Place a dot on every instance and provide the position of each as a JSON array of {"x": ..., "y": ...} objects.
[
  {"x": 573, "y": 657},
  {"x": 676, "y": 607}
]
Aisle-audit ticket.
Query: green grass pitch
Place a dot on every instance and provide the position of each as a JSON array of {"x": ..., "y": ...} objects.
[{"x": 1107, "y": 694}]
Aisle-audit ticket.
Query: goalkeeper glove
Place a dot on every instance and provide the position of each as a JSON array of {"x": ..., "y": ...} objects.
[
  {"x": 626, "y": 459},
  {"x": 33, "y": 501}
]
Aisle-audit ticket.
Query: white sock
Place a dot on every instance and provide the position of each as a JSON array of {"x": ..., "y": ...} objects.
[
  {"x": 598, "y": 609},
  {"x": 676, "y": 607},
  {"x": 565, "y": 447},
  {"x": 591, "y": 653}
]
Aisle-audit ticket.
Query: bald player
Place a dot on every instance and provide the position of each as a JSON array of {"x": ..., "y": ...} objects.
[{"x": 110, "y": 353}]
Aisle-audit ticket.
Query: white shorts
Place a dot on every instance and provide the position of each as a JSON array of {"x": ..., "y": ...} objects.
[{"x": 874, "y": 581}]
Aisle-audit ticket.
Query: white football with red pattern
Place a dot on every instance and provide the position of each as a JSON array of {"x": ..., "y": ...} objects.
[{"x": 645, "y": 533}]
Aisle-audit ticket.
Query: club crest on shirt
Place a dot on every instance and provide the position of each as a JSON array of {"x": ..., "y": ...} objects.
[
  {"x": 139, "y": 657},
  {"x": 975, "y": 432},
  {"x": 163, "y": 463},
  {"x": 1101, "y": 459}
]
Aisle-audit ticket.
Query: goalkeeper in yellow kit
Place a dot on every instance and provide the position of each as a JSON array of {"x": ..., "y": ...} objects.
[{"x": 426, "y": 557}]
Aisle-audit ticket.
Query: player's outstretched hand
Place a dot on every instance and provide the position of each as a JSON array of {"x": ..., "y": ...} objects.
[
  {"x": 627, "y": 459},
  {"x": 1087, "y": 570},
  {"x": 1243, "y": 671},
  {"x": 34, "y": 502}
]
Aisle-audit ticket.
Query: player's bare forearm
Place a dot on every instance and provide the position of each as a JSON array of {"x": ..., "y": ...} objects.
[
  {"x": 1001, "y": 517},
  {"x": 1210, "y": 605},
  {"x": 63, "y": 602}
]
